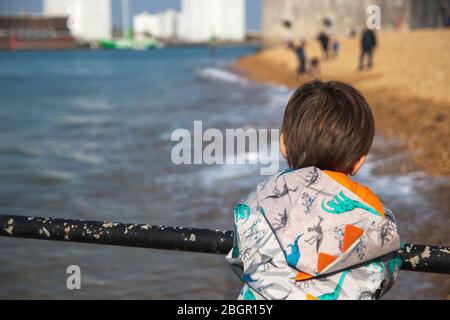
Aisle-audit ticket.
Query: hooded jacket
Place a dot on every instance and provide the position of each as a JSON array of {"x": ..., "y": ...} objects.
[{"x": 302, "y": 235}]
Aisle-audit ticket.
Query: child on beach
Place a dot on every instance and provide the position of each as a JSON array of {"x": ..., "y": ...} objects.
[
  {"x": 310, "y": 232},
  {"x": 335, "y": 47}
]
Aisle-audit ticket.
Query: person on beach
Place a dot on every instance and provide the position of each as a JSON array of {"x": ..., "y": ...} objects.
[
  {"x": 324, "y": 41},
  {"x": 301, "y": 55},
  {"x": 368, "y": 45},
  {"x": 311, "y": 232},
  {"x": 335, "y": 47}
]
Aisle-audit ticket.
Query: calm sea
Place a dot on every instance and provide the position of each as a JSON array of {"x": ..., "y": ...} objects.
[{"x": 86, "y": 135}]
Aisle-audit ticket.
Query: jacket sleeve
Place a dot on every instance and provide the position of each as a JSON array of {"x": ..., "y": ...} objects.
[
  {"x": 256, "y": 257},
  {"x": 391, "y": 262}
]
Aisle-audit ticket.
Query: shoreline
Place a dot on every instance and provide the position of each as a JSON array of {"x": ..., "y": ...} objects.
[{"x": 407, "y": 88}]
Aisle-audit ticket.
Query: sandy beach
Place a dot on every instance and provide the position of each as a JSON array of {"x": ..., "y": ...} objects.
[{"x": 408, "y": 88}]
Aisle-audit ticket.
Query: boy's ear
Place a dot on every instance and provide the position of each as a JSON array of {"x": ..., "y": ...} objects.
[
  {"x": 358, "y": 165},
  {"x": 283, "y": 147}
]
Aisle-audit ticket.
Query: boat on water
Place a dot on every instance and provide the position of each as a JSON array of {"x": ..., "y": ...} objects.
[{"x": 128, "y": 44}]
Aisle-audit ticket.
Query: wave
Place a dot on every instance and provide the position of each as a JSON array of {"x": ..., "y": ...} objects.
[
  {"x": 84, "y": 153},
  {"x": 278, "y": 96},
  {"x": 80, "y": 120},
  {"x": 22, "y": 150},
  {"x": 50, "y": 177},
  {"x": 239, "y": 175},
  {"x": 217, "y": 74},
  {"x": 93, "y": 104}
]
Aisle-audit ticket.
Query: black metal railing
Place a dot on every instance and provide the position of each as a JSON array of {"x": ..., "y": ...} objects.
[{"x": 416, "y": 257}]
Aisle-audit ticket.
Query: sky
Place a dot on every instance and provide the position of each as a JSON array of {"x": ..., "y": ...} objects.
[{"x": 10, "y": 7}]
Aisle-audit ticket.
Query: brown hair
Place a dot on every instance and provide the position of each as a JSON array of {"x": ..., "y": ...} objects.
[{"x": 327, "y": 125}]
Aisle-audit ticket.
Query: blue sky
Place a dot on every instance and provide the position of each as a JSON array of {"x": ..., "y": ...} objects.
[{"x": 8, "y": 7}]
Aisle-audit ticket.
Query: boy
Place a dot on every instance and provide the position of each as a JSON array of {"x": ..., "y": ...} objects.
[
  {"x": 335, "y": 48},
  {"x": 310, "y": 232}
]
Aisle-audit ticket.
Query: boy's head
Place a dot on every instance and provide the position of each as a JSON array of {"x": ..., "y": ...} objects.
[{"x": 329, "y": 126}]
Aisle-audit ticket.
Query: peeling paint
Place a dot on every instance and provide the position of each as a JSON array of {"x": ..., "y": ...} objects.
[
  {"x": 46, "y": 232},
  {"x": 66, "y": 232},
  {"x": 9, "y": 230},
  {"x": 426, "y": 253},
  {"x": 414, "y": 261}
]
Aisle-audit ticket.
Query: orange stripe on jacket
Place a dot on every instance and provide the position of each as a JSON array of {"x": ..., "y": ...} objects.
[{"x": 361, "y": 191}]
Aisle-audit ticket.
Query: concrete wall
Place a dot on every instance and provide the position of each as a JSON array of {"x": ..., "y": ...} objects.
[
  {"x": 427, "y": 13},
  {"x": 306, "y": 16}
]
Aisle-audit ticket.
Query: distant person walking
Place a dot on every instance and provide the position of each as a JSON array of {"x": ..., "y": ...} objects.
[
  {"x": 324, "y": 40},
  {"x": 300, "y": 51},
  {"x": 368, "y": 45}
]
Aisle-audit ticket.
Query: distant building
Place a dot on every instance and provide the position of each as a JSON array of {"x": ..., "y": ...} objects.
[
  {"x": 88, "y": 20},
  {"x": 202, "y": 20},
  {"x": 163, "y": 25},
  {"x": 168, "y": 22},
  {"x": 34, "y": 32},
  {"x": 306, "y": 17},
  {"x": 144, "y": 25}
]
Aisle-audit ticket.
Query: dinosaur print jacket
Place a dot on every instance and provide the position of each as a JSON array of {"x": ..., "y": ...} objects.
[{"x": 302, "y": 235}]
